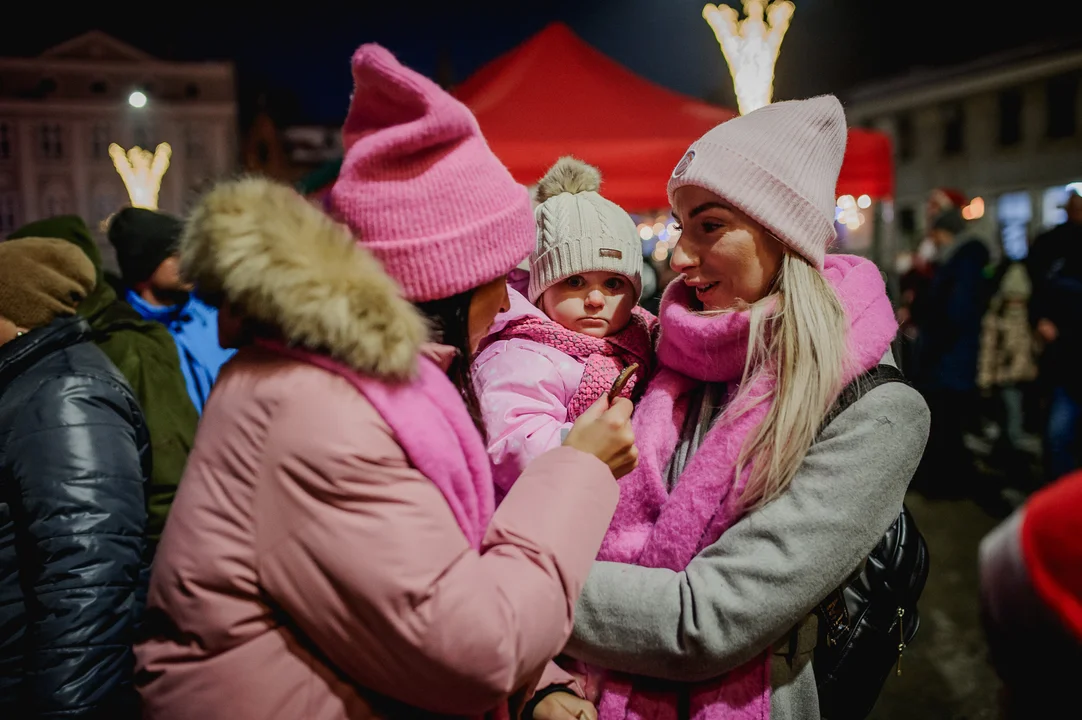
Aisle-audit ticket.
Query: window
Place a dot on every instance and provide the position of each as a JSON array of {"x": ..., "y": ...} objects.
[
  {"x": 56, "y": 199},
  {"x": 1010, "y": 117},
  {"x": 99, "y": 142},
  {"x": 52, "y": 143},
  {"x": 953, "y": 129},
  {"x": 906, "y": 139},
  {"x": 1014, "y": 211},
  {"x": 9, "y": 212},
  {"x": 105, "y": 202},
  {"x": 141, "y": 137},
  {"x": 1060, "y": 97},
  {"x": 7, "y": 140},
  {"x": 907, "y": 221},
  {"x": 195, "y": 143}
]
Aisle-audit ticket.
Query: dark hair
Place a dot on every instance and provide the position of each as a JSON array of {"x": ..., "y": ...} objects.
[{"x": 450, "y": 318}]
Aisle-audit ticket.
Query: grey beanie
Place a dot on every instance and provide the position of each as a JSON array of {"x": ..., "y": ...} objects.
[{"x": 578, "y": 231}]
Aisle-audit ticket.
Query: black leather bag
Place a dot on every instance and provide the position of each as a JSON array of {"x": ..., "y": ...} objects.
[{"x": 865, "y": 625}]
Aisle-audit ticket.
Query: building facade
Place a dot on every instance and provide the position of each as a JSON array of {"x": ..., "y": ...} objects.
[
  {"x": 60, "y": 111},
  {"x": 1005, "y": 130}
]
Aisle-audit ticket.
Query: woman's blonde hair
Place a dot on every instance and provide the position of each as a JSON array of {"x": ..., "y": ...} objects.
[{"x": 797, "y": 332}]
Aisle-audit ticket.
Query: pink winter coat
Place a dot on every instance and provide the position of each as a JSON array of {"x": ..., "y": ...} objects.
[
  {"x": 307, "y": 570},
  {"x": 534, "y": 378},
  {"x": 524, "y": 388}
]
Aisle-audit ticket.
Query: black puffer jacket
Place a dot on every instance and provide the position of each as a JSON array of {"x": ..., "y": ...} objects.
[{"x": 74, "y": 460}]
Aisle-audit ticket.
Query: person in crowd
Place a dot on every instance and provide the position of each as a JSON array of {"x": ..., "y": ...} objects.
[
  {"x": 1008, "y": 359},
  {"x": 333, "y": 550},
  {"x": 146, "y": 249},
  {"x": 950, "y": 316},
  {"x": 74, "y": 462},
  {"x": 1031, "y": 601},
  {"x": 743, "y": 515},
  {"x": 562, "y": 346},
  {"x": 1055, "y": 268},
  {"x": 146, "y": 356},
  {"x": 913, "y": 283}
]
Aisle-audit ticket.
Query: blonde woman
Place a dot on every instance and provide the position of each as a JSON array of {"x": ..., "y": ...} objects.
[{"x": 741, "y": 517}]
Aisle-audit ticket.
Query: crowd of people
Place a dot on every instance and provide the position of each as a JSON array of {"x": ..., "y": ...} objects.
[{"x": 363, "y": 461}]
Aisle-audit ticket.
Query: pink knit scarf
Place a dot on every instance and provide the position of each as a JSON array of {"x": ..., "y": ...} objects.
[
  {"x": 654, "y": 528},
  {"x": 434, "y": 428},
  {"x": 605, "y": 358}
]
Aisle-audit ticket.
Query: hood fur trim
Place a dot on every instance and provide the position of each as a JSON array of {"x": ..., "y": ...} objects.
[{"x": 269, "y": 251}]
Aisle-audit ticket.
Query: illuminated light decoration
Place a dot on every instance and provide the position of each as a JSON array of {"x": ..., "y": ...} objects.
[
  {"x": 974, "y": 210},
  {"x": 142, "y": 172},
  {"x": 646, "y": 232},
  {"x": 848, "y": 212},
  {"x": 751, "y": 46},
  {"x": 137, "y": 99},
  {"x": 661, "y": 251},
  {"x": 864, "y": 202}
]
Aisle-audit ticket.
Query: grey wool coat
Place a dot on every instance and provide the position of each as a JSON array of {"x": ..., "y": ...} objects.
[{"x": 762, "y": 578}]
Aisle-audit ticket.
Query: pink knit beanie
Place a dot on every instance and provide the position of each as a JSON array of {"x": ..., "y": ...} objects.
[
  {"x": 779, "y": 165},
  {"x": 420, "y": 188}
]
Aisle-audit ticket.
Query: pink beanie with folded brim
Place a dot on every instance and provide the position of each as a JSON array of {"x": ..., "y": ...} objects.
[
  {"x": 779, "y": 165},
  {"x": 419, "y": 187}
]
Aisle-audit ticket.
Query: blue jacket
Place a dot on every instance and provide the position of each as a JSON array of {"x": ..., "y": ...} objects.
[
  {"x": 194, "y": 327},
  {"x": 74, "y": 463},
  {"x": 949, "y": 317}
]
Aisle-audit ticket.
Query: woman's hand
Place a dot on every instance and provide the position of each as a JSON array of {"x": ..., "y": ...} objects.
[
  {"x": 605, "y": 432},
  {"x": 564, "y": 706}
]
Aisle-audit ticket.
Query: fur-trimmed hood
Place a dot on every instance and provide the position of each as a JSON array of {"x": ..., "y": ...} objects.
[{"x": 264, "y": 248}]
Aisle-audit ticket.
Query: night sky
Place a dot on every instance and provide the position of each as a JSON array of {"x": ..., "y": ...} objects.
[{"x": 299, "y": 59}]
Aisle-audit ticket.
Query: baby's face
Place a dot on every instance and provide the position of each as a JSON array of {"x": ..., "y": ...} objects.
[{"x": 594, "y": 303}]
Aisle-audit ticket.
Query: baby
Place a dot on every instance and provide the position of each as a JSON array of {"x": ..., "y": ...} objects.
[{"x": 559, "y": 349}]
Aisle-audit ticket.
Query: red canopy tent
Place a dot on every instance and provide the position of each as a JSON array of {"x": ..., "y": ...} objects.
[{"x": 556, "y": 95}]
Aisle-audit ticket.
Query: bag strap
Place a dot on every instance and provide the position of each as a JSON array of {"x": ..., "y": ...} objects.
[
  {"x": 832, "y": 609},
  {"x": 879, "y": 375}
]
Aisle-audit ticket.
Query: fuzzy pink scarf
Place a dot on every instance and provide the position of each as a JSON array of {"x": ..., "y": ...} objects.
[
  {"x": 605, "y": 358},
  {"x": 434, "y": 428},
  {"x": 655, "y": 529}
]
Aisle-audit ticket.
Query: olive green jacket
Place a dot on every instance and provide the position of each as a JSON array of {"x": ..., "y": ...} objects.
[{"x": 146, "y": 355}]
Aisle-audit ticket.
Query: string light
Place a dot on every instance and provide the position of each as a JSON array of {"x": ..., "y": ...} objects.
[
  {"x": 751, "y": 46},
  {"x": 142, "y": 172},
  {"x": 848, "y": 212},
  {"x": 974, "y": 210}
]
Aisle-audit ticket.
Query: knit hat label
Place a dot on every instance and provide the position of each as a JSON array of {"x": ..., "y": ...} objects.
[{"x": 684, "y": 164}]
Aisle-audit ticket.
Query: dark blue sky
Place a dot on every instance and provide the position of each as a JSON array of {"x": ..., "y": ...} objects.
[{"x": 301, "y": 55}]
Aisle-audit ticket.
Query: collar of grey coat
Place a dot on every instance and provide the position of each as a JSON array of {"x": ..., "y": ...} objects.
[{"x": 27, "y": 349}]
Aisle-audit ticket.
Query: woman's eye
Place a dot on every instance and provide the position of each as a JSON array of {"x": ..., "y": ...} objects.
[
  {"x": 710, "y": 226},
  {"x": 677, "y": 227}
]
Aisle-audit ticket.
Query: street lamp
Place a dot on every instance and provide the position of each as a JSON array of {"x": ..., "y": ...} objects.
[
  {"x": 137, "y": 99},
  {"x": 751, "y": 46}
]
